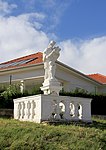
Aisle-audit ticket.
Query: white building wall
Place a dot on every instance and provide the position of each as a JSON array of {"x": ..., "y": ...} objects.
[
  {"x": 71, "y": 81},
  {"x": 34, "y": 73},
  {"x": 102, "y": 89},
  {"x": 32, "y": 77}
]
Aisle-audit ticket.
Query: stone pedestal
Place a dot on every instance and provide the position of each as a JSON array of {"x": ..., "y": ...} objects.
[{"x": 52, "y": 87}]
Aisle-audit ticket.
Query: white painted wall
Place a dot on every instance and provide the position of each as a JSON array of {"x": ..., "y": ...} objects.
[
  {"x": 72, "y": 81},
  {"x": 21, "y": 74},
  {"x": 102, "y": 89}
]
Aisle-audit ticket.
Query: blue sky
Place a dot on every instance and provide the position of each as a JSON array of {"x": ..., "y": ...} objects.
[
  {"x": 78, "y": 27},
  {"x": 84, "y": 19}
]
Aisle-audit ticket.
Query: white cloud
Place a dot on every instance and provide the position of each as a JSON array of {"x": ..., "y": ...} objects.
[
  {"x": 5, "y": 8},
  {"x": 86, "y": 56},
  {"x": 32, "y": 19},
  {"x": 19, "y": 37},
  {"x": 27, "y": 16}
]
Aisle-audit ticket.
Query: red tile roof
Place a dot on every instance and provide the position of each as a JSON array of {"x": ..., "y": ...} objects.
[
  {"x": 23, "y": 61},
  {"x": 98, "y": 77}
]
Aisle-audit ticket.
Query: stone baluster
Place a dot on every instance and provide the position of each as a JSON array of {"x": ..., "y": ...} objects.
[
  {"x": 19, "y": 110},
  {"x": 57, "y": 117},
  {"x": 76, "y": 111},
  {"x": 28, "y": 106},
  {"x": 53, "y": 110},
  {"x": 26, "y": 110},
  {"x": 22, "y": 110},
  {"x": 67, "y": 110},
  {"x": 31, "y": 109},
  {"x": 72, "y": 109},
  {"x": 80, "y": 112}
]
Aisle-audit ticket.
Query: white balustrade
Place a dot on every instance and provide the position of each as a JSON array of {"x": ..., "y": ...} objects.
[{"x": 40, "y": 108}]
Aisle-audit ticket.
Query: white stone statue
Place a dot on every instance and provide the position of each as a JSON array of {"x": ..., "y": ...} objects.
[{"x": 50, "y": 56}]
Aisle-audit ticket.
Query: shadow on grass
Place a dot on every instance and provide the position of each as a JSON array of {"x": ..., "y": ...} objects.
[
  {"x": 98, "y": 125},
  {"x": 95, "y": 124},
  {"x": 6, "y": 117}
]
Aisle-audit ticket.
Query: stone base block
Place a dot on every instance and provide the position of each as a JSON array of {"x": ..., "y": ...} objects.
[{"x": 51, "y": 87}]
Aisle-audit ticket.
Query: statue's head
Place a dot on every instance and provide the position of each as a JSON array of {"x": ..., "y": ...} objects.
[{"x": 52, "y": 43}]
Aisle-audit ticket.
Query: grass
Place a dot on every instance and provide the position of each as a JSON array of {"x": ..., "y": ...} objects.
[{"x": 16, "y": 135}]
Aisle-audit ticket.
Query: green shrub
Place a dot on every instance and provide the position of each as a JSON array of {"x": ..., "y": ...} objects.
[
  {"x": 2, "y": 89},
  {"x": 12, "y": 92},
  {"x": 78, "y": 92},
  {"x": 6, "y": 97},
  {"x": 35, "y": 90}
]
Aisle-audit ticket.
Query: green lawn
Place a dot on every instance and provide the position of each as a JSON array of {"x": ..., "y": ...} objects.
[{"x": 16, "y": 135}]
